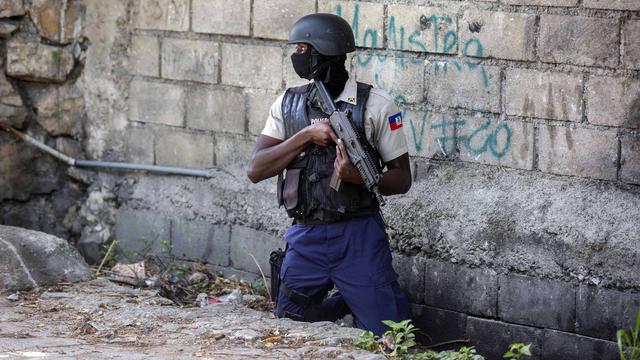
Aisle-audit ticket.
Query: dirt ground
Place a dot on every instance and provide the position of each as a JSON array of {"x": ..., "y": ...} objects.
[{"x": 103, "y": 320}]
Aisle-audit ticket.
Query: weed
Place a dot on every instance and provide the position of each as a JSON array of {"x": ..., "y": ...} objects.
[
  {"x": 628, "y": 343},
  {"x": 465, "y": 353},
  {"x": 518, "y": 351},
  {"x": 400, "y": 338}
]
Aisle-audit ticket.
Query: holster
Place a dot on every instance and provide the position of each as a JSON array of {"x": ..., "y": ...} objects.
[{"x": 275, "y": 260}]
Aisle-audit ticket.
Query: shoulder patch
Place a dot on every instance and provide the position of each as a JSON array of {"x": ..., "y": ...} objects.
[{"x": 395, "y": 121}]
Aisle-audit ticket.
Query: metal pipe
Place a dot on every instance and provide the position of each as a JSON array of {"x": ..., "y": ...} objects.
[
  {"x": 106, "y": 164},
  {"x": 150, "y": 168}
]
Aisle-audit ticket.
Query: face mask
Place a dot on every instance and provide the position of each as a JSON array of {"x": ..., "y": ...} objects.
[{"x": 302, "y": 64}]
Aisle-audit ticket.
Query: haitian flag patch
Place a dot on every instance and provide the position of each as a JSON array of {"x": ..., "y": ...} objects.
[{"x": 395, "y": 121}]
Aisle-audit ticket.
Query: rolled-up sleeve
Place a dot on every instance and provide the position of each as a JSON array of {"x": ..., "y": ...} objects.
[{"x": 274, "y": 127}]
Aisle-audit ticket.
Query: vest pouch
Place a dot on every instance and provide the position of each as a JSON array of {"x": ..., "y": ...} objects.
[{"x": 290, "y": 198}]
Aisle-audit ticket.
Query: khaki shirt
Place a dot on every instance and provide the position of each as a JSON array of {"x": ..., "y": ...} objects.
[{"x": 382, "y": 122}]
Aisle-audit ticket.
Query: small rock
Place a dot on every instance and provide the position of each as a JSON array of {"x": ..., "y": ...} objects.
[
  {"x": 9, "y": 8},
  {"x": 246, "y": 334},
  {"x": 14, "y": 297},
  {"x": 250, "y": 298},
  {"x": 55, "y": 295},
  {"x": 234, "y": 297},
  {"x": 38, "y": 62},
  {"x": 6, "y": 29},
  {"x": 49, "y": 15}
]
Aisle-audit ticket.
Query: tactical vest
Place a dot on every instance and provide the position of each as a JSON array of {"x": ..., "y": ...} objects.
[{"x": 305, "y": 191}]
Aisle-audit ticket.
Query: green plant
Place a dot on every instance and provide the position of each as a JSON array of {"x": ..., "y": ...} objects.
[
  {"x": 628, "y": 343},
  {"x": 400, "y": 338},
  {"x": 182, "y": 270},
  {"x": 368, "y": 341},
  {"x": 465, "y": 353},
  {"x": 394, "y": 343},
  {"x": 518, "y": 351}
]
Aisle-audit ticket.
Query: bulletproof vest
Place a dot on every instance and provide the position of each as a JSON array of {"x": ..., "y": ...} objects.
[{"x": 305, "y": 191}]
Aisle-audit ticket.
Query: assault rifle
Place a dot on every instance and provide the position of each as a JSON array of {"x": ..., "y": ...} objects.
[{"x": 344, "y": 130}]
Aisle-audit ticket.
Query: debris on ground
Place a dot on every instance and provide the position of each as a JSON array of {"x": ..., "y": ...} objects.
[
  {"x": 189, "y": 285},
  {"x": 105, "y": 319}
]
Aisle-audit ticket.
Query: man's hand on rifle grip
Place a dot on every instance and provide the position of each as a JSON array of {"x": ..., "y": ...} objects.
[{"x": 343, "y": 167}]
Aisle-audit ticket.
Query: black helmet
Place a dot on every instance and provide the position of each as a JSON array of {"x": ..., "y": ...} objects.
[{"x": 329, "y": 34}]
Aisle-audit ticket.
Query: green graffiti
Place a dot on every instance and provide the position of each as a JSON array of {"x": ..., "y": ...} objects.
[
  {"x": 450, "y": 41},
  {"x": 491, "y": 140},
  {"x": 468, "y": 142},
  {"x": 493, "y": 144}
]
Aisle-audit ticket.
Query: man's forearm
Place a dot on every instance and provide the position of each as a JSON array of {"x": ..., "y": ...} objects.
[
  {"x": 397, "y": 179},
  {"x": 268, "y": 161}
]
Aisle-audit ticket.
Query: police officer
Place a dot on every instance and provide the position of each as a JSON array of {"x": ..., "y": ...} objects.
[{"x": 337, "y": 238}]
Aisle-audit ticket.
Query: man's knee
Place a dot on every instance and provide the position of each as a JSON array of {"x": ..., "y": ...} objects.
[{"x": 300, "y": 307}]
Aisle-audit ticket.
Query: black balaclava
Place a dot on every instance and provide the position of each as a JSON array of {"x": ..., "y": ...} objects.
[{"x": 313, "y": 65}]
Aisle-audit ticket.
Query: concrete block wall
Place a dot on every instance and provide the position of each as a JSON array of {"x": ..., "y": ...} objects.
[
  {"x": 550, "y": 89},
  {"x": 548, "y": 86}
]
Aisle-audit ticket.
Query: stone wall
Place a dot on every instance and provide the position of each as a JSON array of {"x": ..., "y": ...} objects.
[
  {"x": 43, "y": 49},
  {"x": 521, "y": 116}
]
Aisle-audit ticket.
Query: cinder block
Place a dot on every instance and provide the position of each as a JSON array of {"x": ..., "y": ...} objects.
[
  {"x": 601, "y": 312},
  {"x": 543, "y": 303},
  {"x": 274, "y": 19},
  {"x": 487, "y": 140},
  {"x": 145, "y": 55},
  {"x": 183, "y": 149},
  {"x": 215, "y": 109},
  {"x": 613, "y": 4},
  {"x": 222, "y": 17},
  {"x": 422, "y": 29},
  {"x": 190, "y": 60},
  {"x": 437, "y": 325},
  {"x": 581, "y": 152},
  {"x": 247, "y": 242},
  {"x": 233, "y": 148},
  {"x": 237, "y": 71},
  {"x": 201, "y": 241},
  {"x": 544, "y": 95},
  {"x": 459, "y": 288},
  {"x": 155, "y": 102},
  {"x": 631, "y": 43},
  {"x": 558, "y": 3},
  {"x": 366, "y": 19},
  {"x": 492, "y": 338},
  {"x": 566, "y": 346},
  {"x": 457, "y": 83},
  {"x": 170, "y": 15},
  {"x": 630, "y": 159},
  {"x": 411, "y": 276},
  {"x": 579, "y": 40},
  {"x": 501, "y": 35},
  {"x": 433, "y": 134},
  {"x": 613, "y": 101},
  {"x": 140, "y": 233},
  {"x": 140, "y": 145},
  {"x": 402, "y": 76},
  {"x": 259, "y": 103}
]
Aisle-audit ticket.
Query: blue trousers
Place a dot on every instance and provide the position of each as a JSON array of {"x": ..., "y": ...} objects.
[{"x": 354, "y": 256}]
